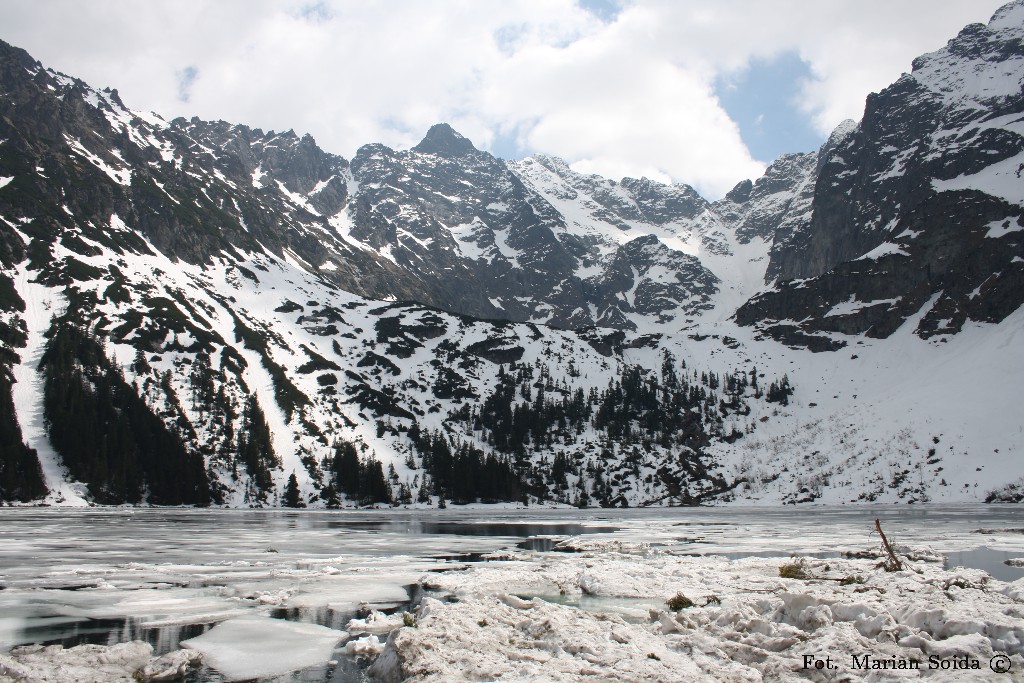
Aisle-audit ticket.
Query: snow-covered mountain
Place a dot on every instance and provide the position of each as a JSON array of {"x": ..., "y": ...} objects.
[
  {"x": 916, "y": 209},
  {"x": 196, "y": 312}
]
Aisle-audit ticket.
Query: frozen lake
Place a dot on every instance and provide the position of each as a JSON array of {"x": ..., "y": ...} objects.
[{"x": 105, "y": 576}]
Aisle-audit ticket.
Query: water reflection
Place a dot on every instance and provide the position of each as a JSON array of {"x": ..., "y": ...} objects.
[{"x": 469, "y": 528}]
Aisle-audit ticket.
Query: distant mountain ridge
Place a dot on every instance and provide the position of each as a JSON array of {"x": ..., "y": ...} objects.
[{"x": 413, "y": 324}]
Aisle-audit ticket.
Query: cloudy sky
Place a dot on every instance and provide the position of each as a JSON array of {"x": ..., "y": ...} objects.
[{"x": 699, "y": 91}]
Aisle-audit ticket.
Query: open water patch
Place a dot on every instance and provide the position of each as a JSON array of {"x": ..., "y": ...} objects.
[
  {"x": 743, "y": 554},
  {"x": 70, "y": 632},
  {"x": 987, "y": 559},
  {"x": 484, "y": 529}
]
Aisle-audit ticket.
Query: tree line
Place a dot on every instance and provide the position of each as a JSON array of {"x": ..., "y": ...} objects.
[{"x": 533, "y": 437}]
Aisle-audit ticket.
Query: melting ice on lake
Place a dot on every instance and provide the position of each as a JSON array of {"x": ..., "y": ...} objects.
[
  {"x": 250, "y": 647},
  {"x": 105, "y": 576}
]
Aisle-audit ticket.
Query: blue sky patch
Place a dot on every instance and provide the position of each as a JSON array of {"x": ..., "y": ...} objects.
[
  {"x": 605, "y": 10},
  {"x": 316, "y": 12},
  {"x": 505, "y": 145},
  {"x": 762, "y": 100},
  {"x": 186, "y": 77}
]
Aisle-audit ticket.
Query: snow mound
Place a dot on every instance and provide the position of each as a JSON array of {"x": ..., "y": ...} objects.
[
  {"x": 486, "y": 639},
  {"x": 82, "y": 664},
  {"x": 376, "y": 622},
  {"x": 577, "y": 544},
  {"x": 171, "y": 667},
  {"x": 367, "y": 646},
  {"x": 251, "y": 647},
  {"x": 744, "y": 622}
]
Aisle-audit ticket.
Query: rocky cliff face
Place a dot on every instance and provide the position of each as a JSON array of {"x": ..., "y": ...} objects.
[
  {"x": 918, "y": 207},
  {"x": 528, "y": 240},
  {"x": 868, "y": 215},
  {"x": 443, "y": 223},
  {"x": 190, "y": 189},
  {"x": 476, "y": 238},
  {"x": 190, "y": 277}
]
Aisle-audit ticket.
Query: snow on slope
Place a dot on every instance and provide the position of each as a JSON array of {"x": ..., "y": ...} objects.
[
  {"x": 570, "y": 193},
  {"x": 861, "y": 425},
  {"x": 607, "y": 215},
  {"x": 741, "y": 270},
  {"x": 897, "y": 419},
  {"x": 975, "y": 80},
  {"x": 41, "y": 304},
  {"x": 301, "y": 318},
  {"x": 1001, "y": 179},
  {"x": 985, "y": 81}
]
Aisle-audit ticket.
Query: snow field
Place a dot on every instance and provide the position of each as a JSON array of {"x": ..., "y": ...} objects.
[
  {"x": 41, "y": 303},
  {"x": 748, "y": 624},
  {"x": 874, "y": 413}
]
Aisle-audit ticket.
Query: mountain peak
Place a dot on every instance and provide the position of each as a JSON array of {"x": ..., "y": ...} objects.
[
  {"x": 1009, "y": 16},
  {"x": 444, "y": 140}
]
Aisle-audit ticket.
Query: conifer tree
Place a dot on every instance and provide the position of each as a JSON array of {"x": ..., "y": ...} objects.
[
  {"x": 292, "y": 495},
  {"x": 330, "y": 497},
  {"x": 423, "y": 495},
  {"x": 21, "y": 477},
  {"x": 140, "y": 366},
  {"x": 346, "y": 468},
  {"x": 374, "y": 487},
  {"x": 404, "y": 494},
  {"x": 256, "y": 448},
  {"x": 106, "y": 434}
]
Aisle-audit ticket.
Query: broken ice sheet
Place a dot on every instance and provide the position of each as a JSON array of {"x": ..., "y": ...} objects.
[{"x": 251, "y": 647}]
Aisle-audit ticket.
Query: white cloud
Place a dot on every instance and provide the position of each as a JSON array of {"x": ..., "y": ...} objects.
[
  {"x": 867, "y": 51},
  {"x": 628, "y": 95}
]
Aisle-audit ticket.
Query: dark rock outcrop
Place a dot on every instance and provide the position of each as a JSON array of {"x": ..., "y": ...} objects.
[{"x": 918, "y": 205}]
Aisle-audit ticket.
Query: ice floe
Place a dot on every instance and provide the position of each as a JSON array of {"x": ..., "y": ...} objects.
[{"x": 249, "y": 647}]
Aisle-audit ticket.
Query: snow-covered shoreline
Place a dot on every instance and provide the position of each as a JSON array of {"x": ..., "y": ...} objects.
[
  {"x": 593, "y": 611},
  {"x": 850, "y": 620},
  {"x": 746, "y": 624}
]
